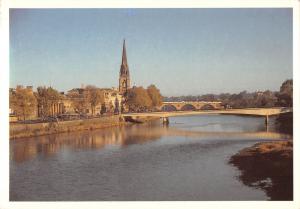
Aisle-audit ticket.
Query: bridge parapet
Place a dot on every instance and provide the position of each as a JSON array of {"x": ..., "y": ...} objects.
[
  {"x": 249, "y": 111},
  {"x": 191, "y": 105}
]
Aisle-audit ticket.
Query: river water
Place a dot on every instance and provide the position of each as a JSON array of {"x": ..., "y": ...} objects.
[{"x": 187, "y": 160}]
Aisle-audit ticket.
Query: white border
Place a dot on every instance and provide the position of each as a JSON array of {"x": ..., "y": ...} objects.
[
  {"x": 4, "y": 75},
  {"x": 151, "y": 4}
]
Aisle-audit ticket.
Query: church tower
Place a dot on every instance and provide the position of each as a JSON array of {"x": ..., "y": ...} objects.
[{"x": 124, "y": 79}]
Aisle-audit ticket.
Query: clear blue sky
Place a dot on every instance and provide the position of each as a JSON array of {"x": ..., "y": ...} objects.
[{"x": 181, "y": 51}]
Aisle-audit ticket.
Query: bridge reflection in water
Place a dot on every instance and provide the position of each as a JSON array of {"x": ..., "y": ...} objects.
[{"x": 25, "y": 149}]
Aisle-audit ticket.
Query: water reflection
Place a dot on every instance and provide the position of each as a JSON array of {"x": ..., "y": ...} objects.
[
  {"x": 25, "y": 149},
  {"x": 187, "y": 160}
]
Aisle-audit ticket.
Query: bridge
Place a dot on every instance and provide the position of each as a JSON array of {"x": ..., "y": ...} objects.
[
  {"x": 195, "y": 105},
  {"x": 264, "y": 112}
]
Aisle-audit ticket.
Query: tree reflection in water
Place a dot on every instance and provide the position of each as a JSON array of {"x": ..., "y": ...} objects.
[{"x": 25, "y": 149}]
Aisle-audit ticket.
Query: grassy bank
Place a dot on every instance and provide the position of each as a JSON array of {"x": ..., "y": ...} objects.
[
  {"x": 268, "y": 166},
  {"x": 38, "y": 129}
]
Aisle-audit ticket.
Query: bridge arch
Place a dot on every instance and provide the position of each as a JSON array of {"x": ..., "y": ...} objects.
[
  {"x": 207, "y": 107},
  {"x": 168, "y": 108},
  {"x": 188, "y": 107}
]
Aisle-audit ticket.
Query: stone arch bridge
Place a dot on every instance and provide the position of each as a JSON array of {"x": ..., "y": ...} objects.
[{"x": 182, "y": 106}]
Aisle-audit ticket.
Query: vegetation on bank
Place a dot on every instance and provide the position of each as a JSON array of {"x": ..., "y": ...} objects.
[
  {"x": 140, "y": 99},
  {"x": 284, "y": 123},
  {"x": 24, "y": 101},
  {"x": 244, "y": 99},
  {"x": 45, "y": 97}
]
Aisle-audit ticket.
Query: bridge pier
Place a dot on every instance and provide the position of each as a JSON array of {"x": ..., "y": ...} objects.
[
  {"x": 165, "y": 120},
  {"x": 266, "y": 120}
]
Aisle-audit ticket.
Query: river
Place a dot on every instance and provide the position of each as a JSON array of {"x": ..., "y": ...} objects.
[{"x": 186, "y": 160}]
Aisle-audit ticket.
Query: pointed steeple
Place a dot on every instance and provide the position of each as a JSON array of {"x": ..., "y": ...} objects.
[
  {"x": 124, "y": 70},
  {"x": 124, "y": 79},
  {"x": 124, "y": 57}
]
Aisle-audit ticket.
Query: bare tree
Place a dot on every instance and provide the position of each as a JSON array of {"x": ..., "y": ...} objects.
[
  {"x": 46, "y": 98},
  {"x": 79, "y": 101},
  {"x": 94, "y": 97}
]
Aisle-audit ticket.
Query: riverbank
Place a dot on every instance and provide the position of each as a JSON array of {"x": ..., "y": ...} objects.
[
  {"x": 269, "y": 166},
  {"x": 39, "y": 129},
  {"x": 17, "y": 130}
]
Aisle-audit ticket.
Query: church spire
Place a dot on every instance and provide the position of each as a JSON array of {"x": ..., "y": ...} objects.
[
  {"x": 124, "y": 57},
  {"x": 124, "y": 79}
]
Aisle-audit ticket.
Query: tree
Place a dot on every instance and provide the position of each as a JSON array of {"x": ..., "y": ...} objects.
[
  {"x": 117, "y": 106},
  {"x": 155, "y": 96},
  {"x": 23, "y": 102},
  {"x": 266, "y": 99},
  {"x": 46, "y": 98},
  {"x": 103, "y": 109},
  {"x": 94, "y": 97},
  {"x": 285, "y": 95},
  {"x": 208, "y": 97},
  {"x": 139, "y": 99},
  {"x": 79, "y": 100}
]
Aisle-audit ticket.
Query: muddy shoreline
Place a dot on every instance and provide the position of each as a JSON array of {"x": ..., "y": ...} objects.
[{"x": 268, "y": 166}]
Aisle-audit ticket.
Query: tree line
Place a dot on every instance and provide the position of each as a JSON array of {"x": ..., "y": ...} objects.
[
  {"x": 244, "y": 99},
  {"x": 24, "y": 102}
]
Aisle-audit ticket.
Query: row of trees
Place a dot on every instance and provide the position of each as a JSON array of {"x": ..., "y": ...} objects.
[
  {"x": 244, "y": 99},
  {"x": 24, "y": 102},
  {"x": 140, "y": 99}
]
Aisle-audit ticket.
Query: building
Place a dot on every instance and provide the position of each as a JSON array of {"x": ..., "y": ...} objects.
[
  {"x": 114, "y": 98},
  {"x": 124, "y": 78},
  {"x": 111, "y": 104}
]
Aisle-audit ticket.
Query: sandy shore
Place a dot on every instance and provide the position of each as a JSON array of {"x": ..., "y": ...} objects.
[{"x": 269, "y": 166}]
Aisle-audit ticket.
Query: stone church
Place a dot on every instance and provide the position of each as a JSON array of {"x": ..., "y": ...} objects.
[
  {"x": 124, "y": 78},
  {"x": 114, "y": 98}
]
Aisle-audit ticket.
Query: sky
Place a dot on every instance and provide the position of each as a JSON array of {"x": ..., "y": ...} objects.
[{"x": 181, "y": 51}]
